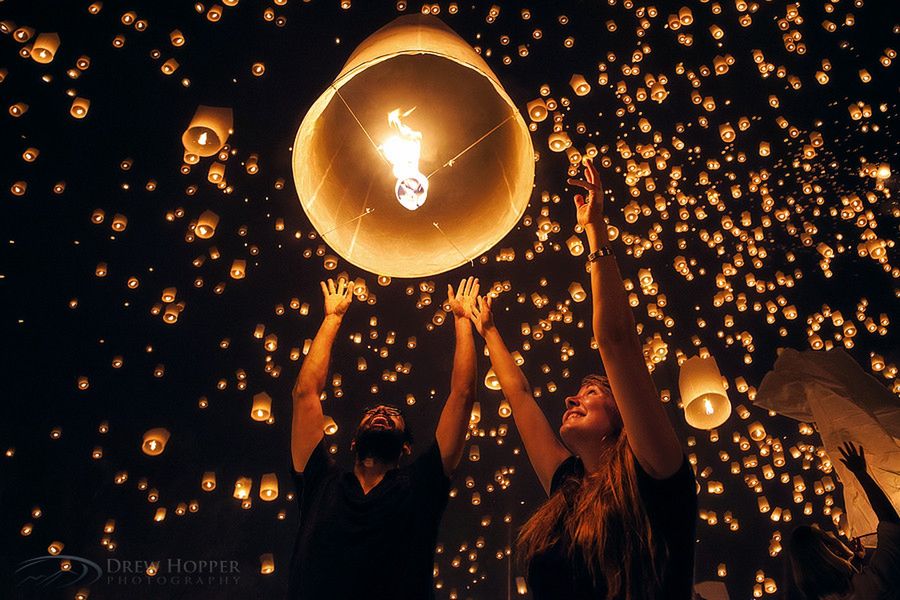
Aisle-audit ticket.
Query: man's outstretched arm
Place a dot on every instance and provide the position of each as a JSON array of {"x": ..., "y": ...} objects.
[
  {"x": 308, "y": 421},
  {"x": 451, "y": 428}
]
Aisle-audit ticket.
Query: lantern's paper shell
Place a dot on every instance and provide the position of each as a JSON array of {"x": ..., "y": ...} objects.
[
  {"x": 415, "y": 62},
  {"x": 846, "y": 404},
  {"x": 705, "y": 400}
]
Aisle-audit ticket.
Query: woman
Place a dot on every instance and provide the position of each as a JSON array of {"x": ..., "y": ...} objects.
[
  {"x": 824, "y": 567},
  {"x": 620, "y": 520}
]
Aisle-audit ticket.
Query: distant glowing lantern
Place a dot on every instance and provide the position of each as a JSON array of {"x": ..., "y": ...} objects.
[
  {"x": 577, "y": 292},
  {"x": 329, "y": 426},
  {"x": 268, "y": 487},
  {"x": 474, "y": 453},
  {"x": 239, "y": 268},
  {"x": 45, "y": 46},
  {"x": 703, "y": 395},
  {"x": 491, "y": 381},
  {"x": 206, "y": 224},
  {"x": 262, "y": 407},
  {"x": 266, "y": 564},
  {"x": 414, "y": 160},
  {"x": 521, "y": 586},
  {"x": 208, "y": 130},
  {"x": 579, "y": 85},
  {"x": 242, "y": 488},
  {"x": 155, "y": 441},
  {"x": 537, "y": 110},
  {"x": 757, "y": 431}
]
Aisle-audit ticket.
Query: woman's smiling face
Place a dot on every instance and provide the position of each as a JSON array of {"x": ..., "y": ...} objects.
[{"x": 590, "y": 414}]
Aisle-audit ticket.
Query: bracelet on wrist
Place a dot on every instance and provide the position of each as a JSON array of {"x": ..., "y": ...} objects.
[{"x": 603, "y": 250}]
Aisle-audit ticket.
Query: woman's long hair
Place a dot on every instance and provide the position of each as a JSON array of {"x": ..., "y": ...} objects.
[
  {"x": 816, "y": 560},
  {"x": 605, "y": 521}
]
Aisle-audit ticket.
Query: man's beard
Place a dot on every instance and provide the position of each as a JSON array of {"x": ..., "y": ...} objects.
[{"x": 384, "y": 445}]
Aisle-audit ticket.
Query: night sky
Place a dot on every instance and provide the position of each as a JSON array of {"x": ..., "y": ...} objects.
[{"x": 67, "y": 449}]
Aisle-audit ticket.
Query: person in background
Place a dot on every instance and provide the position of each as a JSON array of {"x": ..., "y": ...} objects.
[
  {"x": 370, "y": 532},
  {"x": 826, "y": 568},
  {"x": 621, "y": 515}
]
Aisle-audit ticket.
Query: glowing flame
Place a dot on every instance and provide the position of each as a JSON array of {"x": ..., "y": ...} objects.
[
  {"x": 707, "y": 406},
  {"x": 203, "y": 138},
  {"x": 402, "y": 151}
]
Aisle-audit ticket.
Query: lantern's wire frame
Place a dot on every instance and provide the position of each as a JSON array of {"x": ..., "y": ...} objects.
[{"x": 449, "y": 163}]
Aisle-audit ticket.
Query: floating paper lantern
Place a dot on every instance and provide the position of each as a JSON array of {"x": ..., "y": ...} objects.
[
  {"x": 579, "y": 85},
  {"x": 521, "y": 586},
  {"x": 268, "y": 487},
  {"x": 703, "y": 395},
  {"x": 208, "y": 130},
  {"x": 155, "y": 441},
  {"x": 537, "y": 110},
  {"x": 474, "y": 453},
  {"x": 206, "y": 224},
  {"x": 242, "y": 488},
  {"x": 266, "y": 564},
  {"x": 329, "y": 426},
  {"x": 414, "y": 160},
  {"x": 577, "y": 292},
  {"x": 491, "y": 381},
  {"x": 239, "y": 268},
  {"x": 757, "y": 431},
  {"x": 44, "y": 48},
  {"x": 262, "y": 407}
]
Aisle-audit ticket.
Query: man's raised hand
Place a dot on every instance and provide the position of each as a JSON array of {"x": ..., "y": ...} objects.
[{"x": 337, "y": 297}]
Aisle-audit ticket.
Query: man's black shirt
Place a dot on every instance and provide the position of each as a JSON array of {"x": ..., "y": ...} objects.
[{"x": 375, "y": 546}]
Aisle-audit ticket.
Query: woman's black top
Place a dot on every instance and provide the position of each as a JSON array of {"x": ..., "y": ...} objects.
[{"x": 671, "y": 506}]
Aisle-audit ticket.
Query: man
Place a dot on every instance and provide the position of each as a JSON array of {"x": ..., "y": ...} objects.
[{"x": 370, "y": 533}]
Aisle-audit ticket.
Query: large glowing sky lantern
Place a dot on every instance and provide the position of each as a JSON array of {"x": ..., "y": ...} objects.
[{"x": 415, "y": 160}]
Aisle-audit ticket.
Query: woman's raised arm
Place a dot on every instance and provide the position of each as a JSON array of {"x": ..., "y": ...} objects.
[
  {"x": 650, "y": 434},
  {"x": 544, "y": 449}
]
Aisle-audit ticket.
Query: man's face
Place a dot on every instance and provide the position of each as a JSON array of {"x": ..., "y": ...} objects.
[
  {"x": 382, "y": 417},
  {"x": 381, "y": 435}
]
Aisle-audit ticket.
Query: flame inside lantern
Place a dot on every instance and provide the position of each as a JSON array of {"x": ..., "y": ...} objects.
[{"x": 402, "y": 150}]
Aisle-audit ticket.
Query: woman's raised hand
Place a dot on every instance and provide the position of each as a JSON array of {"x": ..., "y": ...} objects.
[
  {"x": 589, "y": 210},
  {"x": 463, "y": 301}
]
